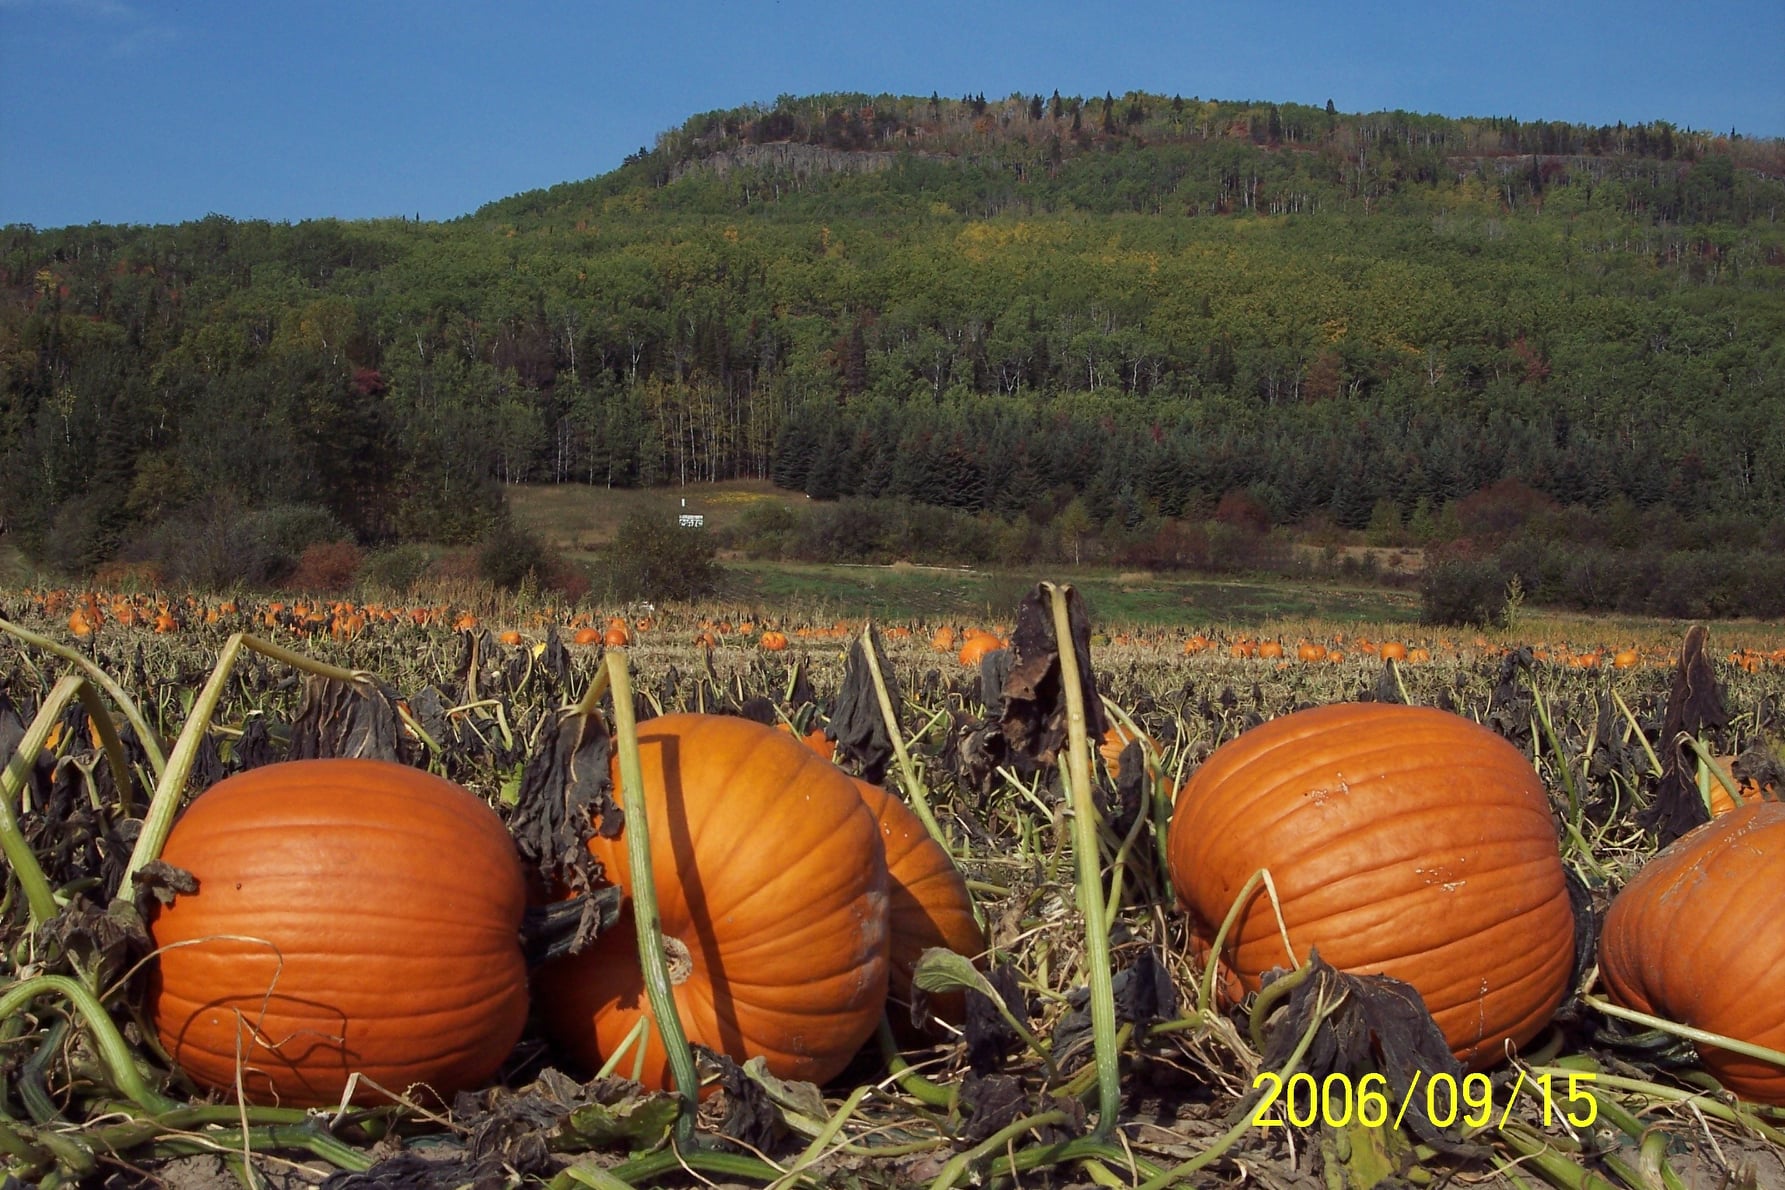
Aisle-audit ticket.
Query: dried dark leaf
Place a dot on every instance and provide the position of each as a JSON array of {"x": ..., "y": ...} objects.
[
  {"x": 1034, "y": 711},
  {"x": 1694, "y": 708},
  {"x": 1381, "y": 1025},
  {"x": 408, "y": 1171},
  {"x": 255, "y": 746},
  {"x": 164, "y": 882},
  {"x": 758, "y": 709},
  {"x": 104, "y": 943},
  {"x": 751, "y": 1117},
  {"x": 566, "y": 795},
  {"x": 856, "y": 720},
  {"x": 347, "y": 719},
  {"x": 554, "y": 659},
  {"x": 991, "y": 1102},
  {"x": 1143, "y": 994},
  {"x": 990, "y": 1039}
]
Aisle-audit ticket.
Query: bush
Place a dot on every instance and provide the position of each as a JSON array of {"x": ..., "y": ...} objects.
[
  {"x": 396, "y": 570},
  {"x": 654, "y": 558},
  {"x": 1462, "y": 591},
  {"x": 508, "y": 556},
  {"x": 217, "y": 544},
  {"x": 328, "y": 566}
]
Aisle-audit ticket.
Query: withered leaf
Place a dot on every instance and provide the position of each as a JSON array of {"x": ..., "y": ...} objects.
[
  {"x": 991, "y": 1102},
  {"x": 989, "y": 1036},
  {"x": 1034, "y": 695},
  {"x": 1143, "y": 993},
  {"x": 347, "y": 719},
  {"x": 856, "y": 720},
  {"x": 409, "y": 1171},
  {"x": 164, "y": 882},
  {"x": 107, "y": 942},
  {"x": 254, "y": 748},
  {"x": 1381, "y": 1025},
  {"x": 751, "y": 1117},
  {"x": 1694, "y": 708},
  {"x": 566, "y": 795}
]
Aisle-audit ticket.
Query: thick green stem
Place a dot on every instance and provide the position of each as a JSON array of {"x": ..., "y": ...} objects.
[
  {"x": 1702, "y": 1036},
  {"x": 39, "y": 898},
  {"x": 910, "y": 1081},
  {"x": 994, "y": 1144},
  {"x": 113, "y": 1051},
  {"x": 1232, "y": 1136},
  {"x": 111, "y": 743},
  {"x": 915, "y": 791},
  {"x": 1090, "y": 870},
  {"x": 171, "y": 786},
  {"x": 132, "y": 713},
  {"x": 653, "y": 957}
]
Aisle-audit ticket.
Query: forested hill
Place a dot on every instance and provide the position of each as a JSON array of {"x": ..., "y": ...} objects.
[{"x": 1146, "y": 304}]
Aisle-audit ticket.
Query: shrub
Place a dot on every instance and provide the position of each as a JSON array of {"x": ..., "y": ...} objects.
[
  {"x": 1461, "y": 591},
  {"x": 328, "y": 566},
  {"x": 396, "y": 570},
  {"x": 655, "y": 558},
  {"x": 508, "y": 555}
]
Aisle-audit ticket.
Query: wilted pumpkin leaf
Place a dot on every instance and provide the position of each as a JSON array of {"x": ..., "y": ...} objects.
[
  {"x": 856, "y": 721},
  {"x": 1143, "y": 993},
  {"x": 347, "y": 719},
  {"x": 566, "y": 795},
  {"x": 1034, "y": 694},
  {"x": 1694, "y": 708},
  {"x": 1380, "y": 1025}
]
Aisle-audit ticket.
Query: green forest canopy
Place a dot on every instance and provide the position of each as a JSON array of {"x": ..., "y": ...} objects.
[{"x": 1145, "y": 303}]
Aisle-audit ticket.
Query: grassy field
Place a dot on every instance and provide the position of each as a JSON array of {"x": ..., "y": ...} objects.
[{"x": 579, "y": 519}]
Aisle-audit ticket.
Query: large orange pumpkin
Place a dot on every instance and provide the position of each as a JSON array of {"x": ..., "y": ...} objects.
[
  {"x": 772, "y": 890},
  {"x": 930, "y": 904},
  {"x": 1402, "y": 840},
  {"x": 351, "y": 915},
  {"x": 1694, "y": 937}
]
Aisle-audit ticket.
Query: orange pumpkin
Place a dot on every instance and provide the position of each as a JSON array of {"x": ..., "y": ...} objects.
[
  {"x": 1115, "y": 742},
  {"x": 773, "y": 640},
  {"x": 930, "y": 904},
  {"x": 772, "y": 890},
  {"x": 1401, "y": 840},
  {"x": 586, "y": 635},
  {"x": 351, "y": 915},
  {"x": 1392, "y": 650},
  {"x": 1694, "y": 937},
  {"x": 616, "y": 635},
  {"x": 978, "y": 644}
]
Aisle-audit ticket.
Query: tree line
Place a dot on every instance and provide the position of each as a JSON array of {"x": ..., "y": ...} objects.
[{"x": 1137, "y": 306}]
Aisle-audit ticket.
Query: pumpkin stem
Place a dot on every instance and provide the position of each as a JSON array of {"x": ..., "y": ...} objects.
[
  {"x": 915, "y": 790},
  {"x": 1090, "y": 869},
  {"x": 652, "y": 949},
  {"x": 1205, "y": 992},
  {"x": 1323, "y": 1008},
  {"x": 1703, "y": 1036},
  {"x": 170, "y": 785},
  {"x": 113, "y": 1050},
  {"x": 39, "y": 898},
  {"x": 132, "y": 713}
]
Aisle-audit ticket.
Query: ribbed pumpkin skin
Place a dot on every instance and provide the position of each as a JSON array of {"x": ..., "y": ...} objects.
[
  {"x": 391, "y": 900},
  {"x": 769, "y": 870},
  {"x": 930, "y": 904},
  {"x": 1405, "y": 841},
  {"x": 1695, "y": 938}
]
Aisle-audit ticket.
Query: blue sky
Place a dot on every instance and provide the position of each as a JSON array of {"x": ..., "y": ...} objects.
[{"x": 155, "y": 111}]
